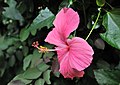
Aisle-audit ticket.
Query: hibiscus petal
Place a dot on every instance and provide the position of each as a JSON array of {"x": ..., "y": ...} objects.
[
  {"x": 71, "y": 73},
  {"x": 80, "y": 53},
  {"x": 55, "y": 38},
  {"x": 66, "y": 21},
  {"x": 66, "y": 70}
]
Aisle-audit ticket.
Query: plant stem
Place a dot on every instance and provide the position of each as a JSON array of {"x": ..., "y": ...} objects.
[
  {"x": 74, "y": 33},
  {"x": 70, "y": 3},
  {"x": 109, "y": 5},
  {"x": 94, "y": 25}
]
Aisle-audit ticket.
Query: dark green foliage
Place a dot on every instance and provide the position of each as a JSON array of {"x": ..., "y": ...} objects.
[{"x": 24, "y": 21}]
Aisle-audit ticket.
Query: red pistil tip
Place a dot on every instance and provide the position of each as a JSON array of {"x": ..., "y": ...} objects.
[
  {"x": 35, "y": 44},
  {"x": 40, "y": 48}
]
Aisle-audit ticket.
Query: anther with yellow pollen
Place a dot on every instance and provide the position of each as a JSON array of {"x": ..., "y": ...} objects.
[{"x": 41, "y": 49}]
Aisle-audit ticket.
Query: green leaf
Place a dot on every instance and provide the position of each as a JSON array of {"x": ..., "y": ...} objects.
[
  {"x": 3, "y": 45},
  {"x": 32, "y": 73},
  {"x": 11, "y": 50},
  {"x": 1, "y": 53},
  {"x": 11, "y": 3},
  {"x": 40, "y": 82},
  {"x": 118, "y": 66},
  {"x": 43, "y": 67},
  {"x": 64, "y": 3},
  {"x": 45, "y": 18},
  {"x": 22, "y": 79},
  {"x": 26, "y": 61},
  {"x": 37, "y": 54},
  {"x": 46, "y": 76},
  {"x": 107, "y": 77},
  {"x": 22, "y": 7},
  {"x": 24, "y": 34},
  {"x": 57, "y": 74},
  {"x": 19, "y": 55},
  {"x": 100, "y": 2},
  {"x": 10, "y": 40},
  {"x": 111, "y": 22},
  {"x": 25, "y": 50},
  {"x": 3, "y": 68},
  {"x": 6, "y": 41},
  {"x": 49, "y": 54},
  {"x": 103, "y": 64},
  {"x": 12, "y": 13},
  {"x": 36, "y": 58},
  {"x": 33, "y": 32},
  {"x": 16, "y": 82},
  {"x": 11, "y": 61}
]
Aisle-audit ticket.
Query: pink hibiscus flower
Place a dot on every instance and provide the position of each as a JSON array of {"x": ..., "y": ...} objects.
[{"x": 74, "y": 55}]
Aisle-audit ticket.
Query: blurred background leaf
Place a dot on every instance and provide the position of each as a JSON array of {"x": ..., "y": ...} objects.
[
  {"x": 100, "y": 2},
  {"x": 107, "y": 77}
]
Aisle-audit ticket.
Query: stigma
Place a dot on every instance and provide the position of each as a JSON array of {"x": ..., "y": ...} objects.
[{"x": 41, "y": 49}]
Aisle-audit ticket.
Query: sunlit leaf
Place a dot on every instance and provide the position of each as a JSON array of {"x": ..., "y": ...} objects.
[
  {"x": 111, "y": 22},
  {"x": 45, "y": 18}
]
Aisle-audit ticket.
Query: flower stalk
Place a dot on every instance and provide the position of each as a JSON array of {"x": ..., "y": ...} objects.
[{"x": 94, "y": 25}]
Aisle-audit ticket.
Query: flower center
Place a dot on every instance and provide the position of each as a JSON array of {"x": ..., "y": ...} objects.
[
  {"x": 43, "y": 49},
  {"x": 68, "y": 48}
]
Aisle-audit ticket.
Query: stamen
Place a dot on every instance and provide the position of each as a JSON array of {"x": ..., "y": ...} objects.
[{"x": 41, "y": 48}]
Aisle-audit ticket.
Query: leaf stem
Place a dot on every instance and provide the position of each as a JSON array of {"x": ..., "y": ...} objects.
[
  {"x": 70, "y": 3},
  {"x": 94, "y": 24}
]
